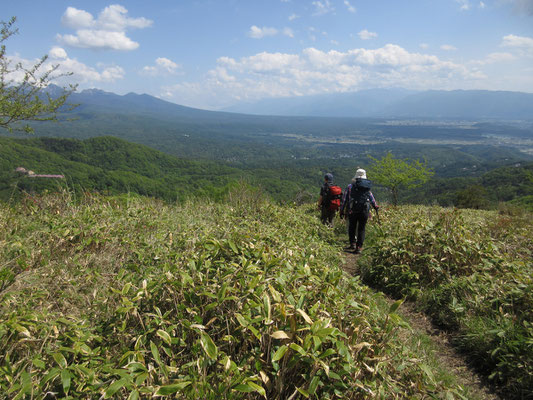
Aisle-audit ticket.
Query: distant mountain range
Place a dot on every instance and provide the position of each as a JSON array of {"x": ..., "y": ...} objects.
[
  {"x": 375, "y": 103},
  {"x": 401, "y": 103}
]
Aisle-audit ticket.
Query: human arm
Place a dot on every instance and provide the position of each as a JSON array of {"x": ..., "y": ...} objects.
[{"x": 373, "y": 202}]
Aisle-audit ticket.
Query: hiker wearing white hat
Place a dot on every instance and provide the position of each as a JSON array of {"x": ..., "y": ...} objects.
[{"x": 355, "y": 206}]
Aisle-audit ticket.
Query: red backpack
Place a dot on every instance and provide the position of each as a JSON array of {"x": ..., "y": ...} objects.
[{"x": 334, "y": 197}]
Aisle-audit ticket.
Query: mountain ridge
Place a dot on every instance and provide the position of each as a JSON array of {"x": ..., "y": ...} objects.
[
  {"x": 370, "y": 103},
  {"x": 401, "y": 103}
]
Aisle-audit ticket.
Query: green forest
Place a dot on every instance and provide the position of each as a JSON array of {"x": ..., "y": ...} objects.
[{"x": 111, "y": 165}]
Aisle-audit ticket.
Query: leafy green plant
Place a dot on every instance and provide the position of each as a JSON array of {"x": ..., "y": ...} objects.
[
  {"x": 134, "y": 298},
  {"x": 469, "y": 271}
]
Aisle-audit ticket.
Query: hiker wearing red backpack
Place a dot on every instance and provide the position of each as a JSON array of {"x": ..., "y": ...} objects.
[
  {"x": 355, "y": 206},
  {"x": 330, "y": 199}
]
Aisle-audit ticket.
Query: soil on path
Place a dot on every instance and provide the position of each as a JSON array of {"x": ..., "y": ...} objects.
[{"x": 445, "y": 353}]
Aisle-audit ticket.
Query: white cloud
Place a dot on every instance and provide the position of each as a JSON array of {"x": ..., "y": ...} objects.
[
  {"x": 315, "y": 71},
  {"x": 112, "y": 73},
  {"x": 292, "y": 17},
  {"x": 499, "y": 57},
  {"x": 163, "y": 66},
  {"x": 482, "y": 5},
  {"x": 424, "y": 46},
  {"x": 494, "y": 58},
  {"x": 448, "y": 47},
  {"x": 349, "y": 6},
  {"x": 81, "y": 73},
  {"x": 114, "y": 18},
  {"x": 91, "y": 39},
  {"x": 288, "y": 32},
  {"x": 523, "y": 44},
  {"x": 259, "y": 33},
  {"x": 108, "y": 31},
  {"x": 57, "y": 53},
  {"x": 323, "y": 7},
  {"x": 366, "y": 35},
  {"x": 76, "y": 19},
  {"x": 464, "y": 4}
]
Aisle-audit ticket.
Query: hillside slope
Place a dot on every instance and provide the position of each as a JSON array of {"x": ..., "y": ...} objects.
[
  {"x": 127, "y": 296},
  {"x": 110, "y": 165}
]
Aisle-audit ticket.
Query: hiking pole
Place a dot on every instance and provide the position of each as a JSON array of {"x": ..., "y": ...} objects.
[{"x": 377, "y": 215}]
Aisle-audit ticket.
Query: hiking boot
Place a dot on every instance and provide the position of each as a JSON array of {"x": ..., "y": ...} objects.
[
  {"x": 350, "y": 248},
  {"x": 357, "y": 250}
]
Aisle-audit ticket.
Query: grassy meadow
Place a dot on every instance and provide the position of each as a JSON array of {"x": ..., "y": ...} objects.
[{"x": 127, "y": 297}]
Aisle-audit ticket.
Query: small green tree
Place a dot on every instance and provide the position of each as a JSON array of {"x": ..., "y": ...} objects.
[
  {"x": 396, "y": 174},
  {"x": 22, "y": 96}
]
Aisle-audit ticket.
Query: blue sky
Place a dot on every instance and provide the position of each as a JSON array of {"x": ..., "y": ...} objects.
[{"x": 213, "y": 53}]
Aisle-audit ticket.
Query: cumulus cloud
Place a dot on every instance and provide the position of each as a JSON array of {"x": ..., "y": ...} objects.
[
  {"x": 57, "y": 53},
  {"x": 464, "y": 4},
  {"x": 81, "y": 73},
  {"x": 288, "y": 32},
  {"x": 314, "y": 71},
  {"x": 323, "y": 7},
  {"x": 448, "y": 47},
  {"x": 366, "y": 35},
  {"x": 292, "y": 17},
  {"x": 494, "y": 58},
  {"x": 163, "y": 66},
  {"x": 76, "y": 19},
  {"x": 523, "y": 44},
  {"x": 259, "y": 33},
  {"x": 93, "y": 39},
  {"x": 108, "y": 31},
  {"x": 349, "y": 6},
  {"x": 499, "y": 57}
]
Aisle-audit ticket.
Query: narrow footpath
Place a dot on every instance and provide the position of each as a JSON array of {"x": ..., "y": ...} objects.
[{"x": 445, "y": 353}]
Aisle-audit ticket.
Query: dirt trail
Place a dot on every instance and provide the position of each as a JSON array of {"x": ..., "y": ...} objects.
[{"x": 446, "y": 354}]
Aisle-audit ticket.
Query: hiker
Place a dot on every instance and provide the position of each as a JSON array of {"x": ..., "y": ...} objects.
[
  {"x": 355, "y": 206},
  {"x": 329, "y": 200}
]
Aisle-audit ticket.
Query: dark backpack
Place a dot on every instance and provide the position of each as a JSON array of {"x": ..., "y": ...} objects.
[
  {"x": 333, "y": 197},
  {"x": 360, "y": 196}
]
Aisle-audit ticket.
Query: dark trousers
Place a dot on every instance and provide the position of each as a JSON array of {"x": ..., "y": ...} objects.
[
  {"x": 357, "y": 222},
  {"x": 327, "y": 215}
]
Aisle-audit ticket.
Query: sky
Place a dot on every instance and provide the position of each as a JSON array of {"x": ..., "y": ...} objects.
[{"x": 212, "y": 54}]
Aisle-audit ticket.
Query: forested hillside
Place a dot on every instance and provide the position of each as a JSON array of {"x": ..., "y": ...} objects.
[
  {"x": 111, "y": 165},
  {"x": 108, "y": 165}
]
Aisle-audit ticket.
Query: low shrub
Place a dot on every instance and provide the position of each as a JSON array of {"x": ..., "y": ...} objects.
[
  {"x": 133, "y": 298},
  {"x": 471, "y": 272}
]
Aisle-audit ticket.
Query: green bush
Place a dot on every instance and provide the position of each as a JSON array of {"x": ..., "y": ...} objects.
[{"x": 471, "y": 272}]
